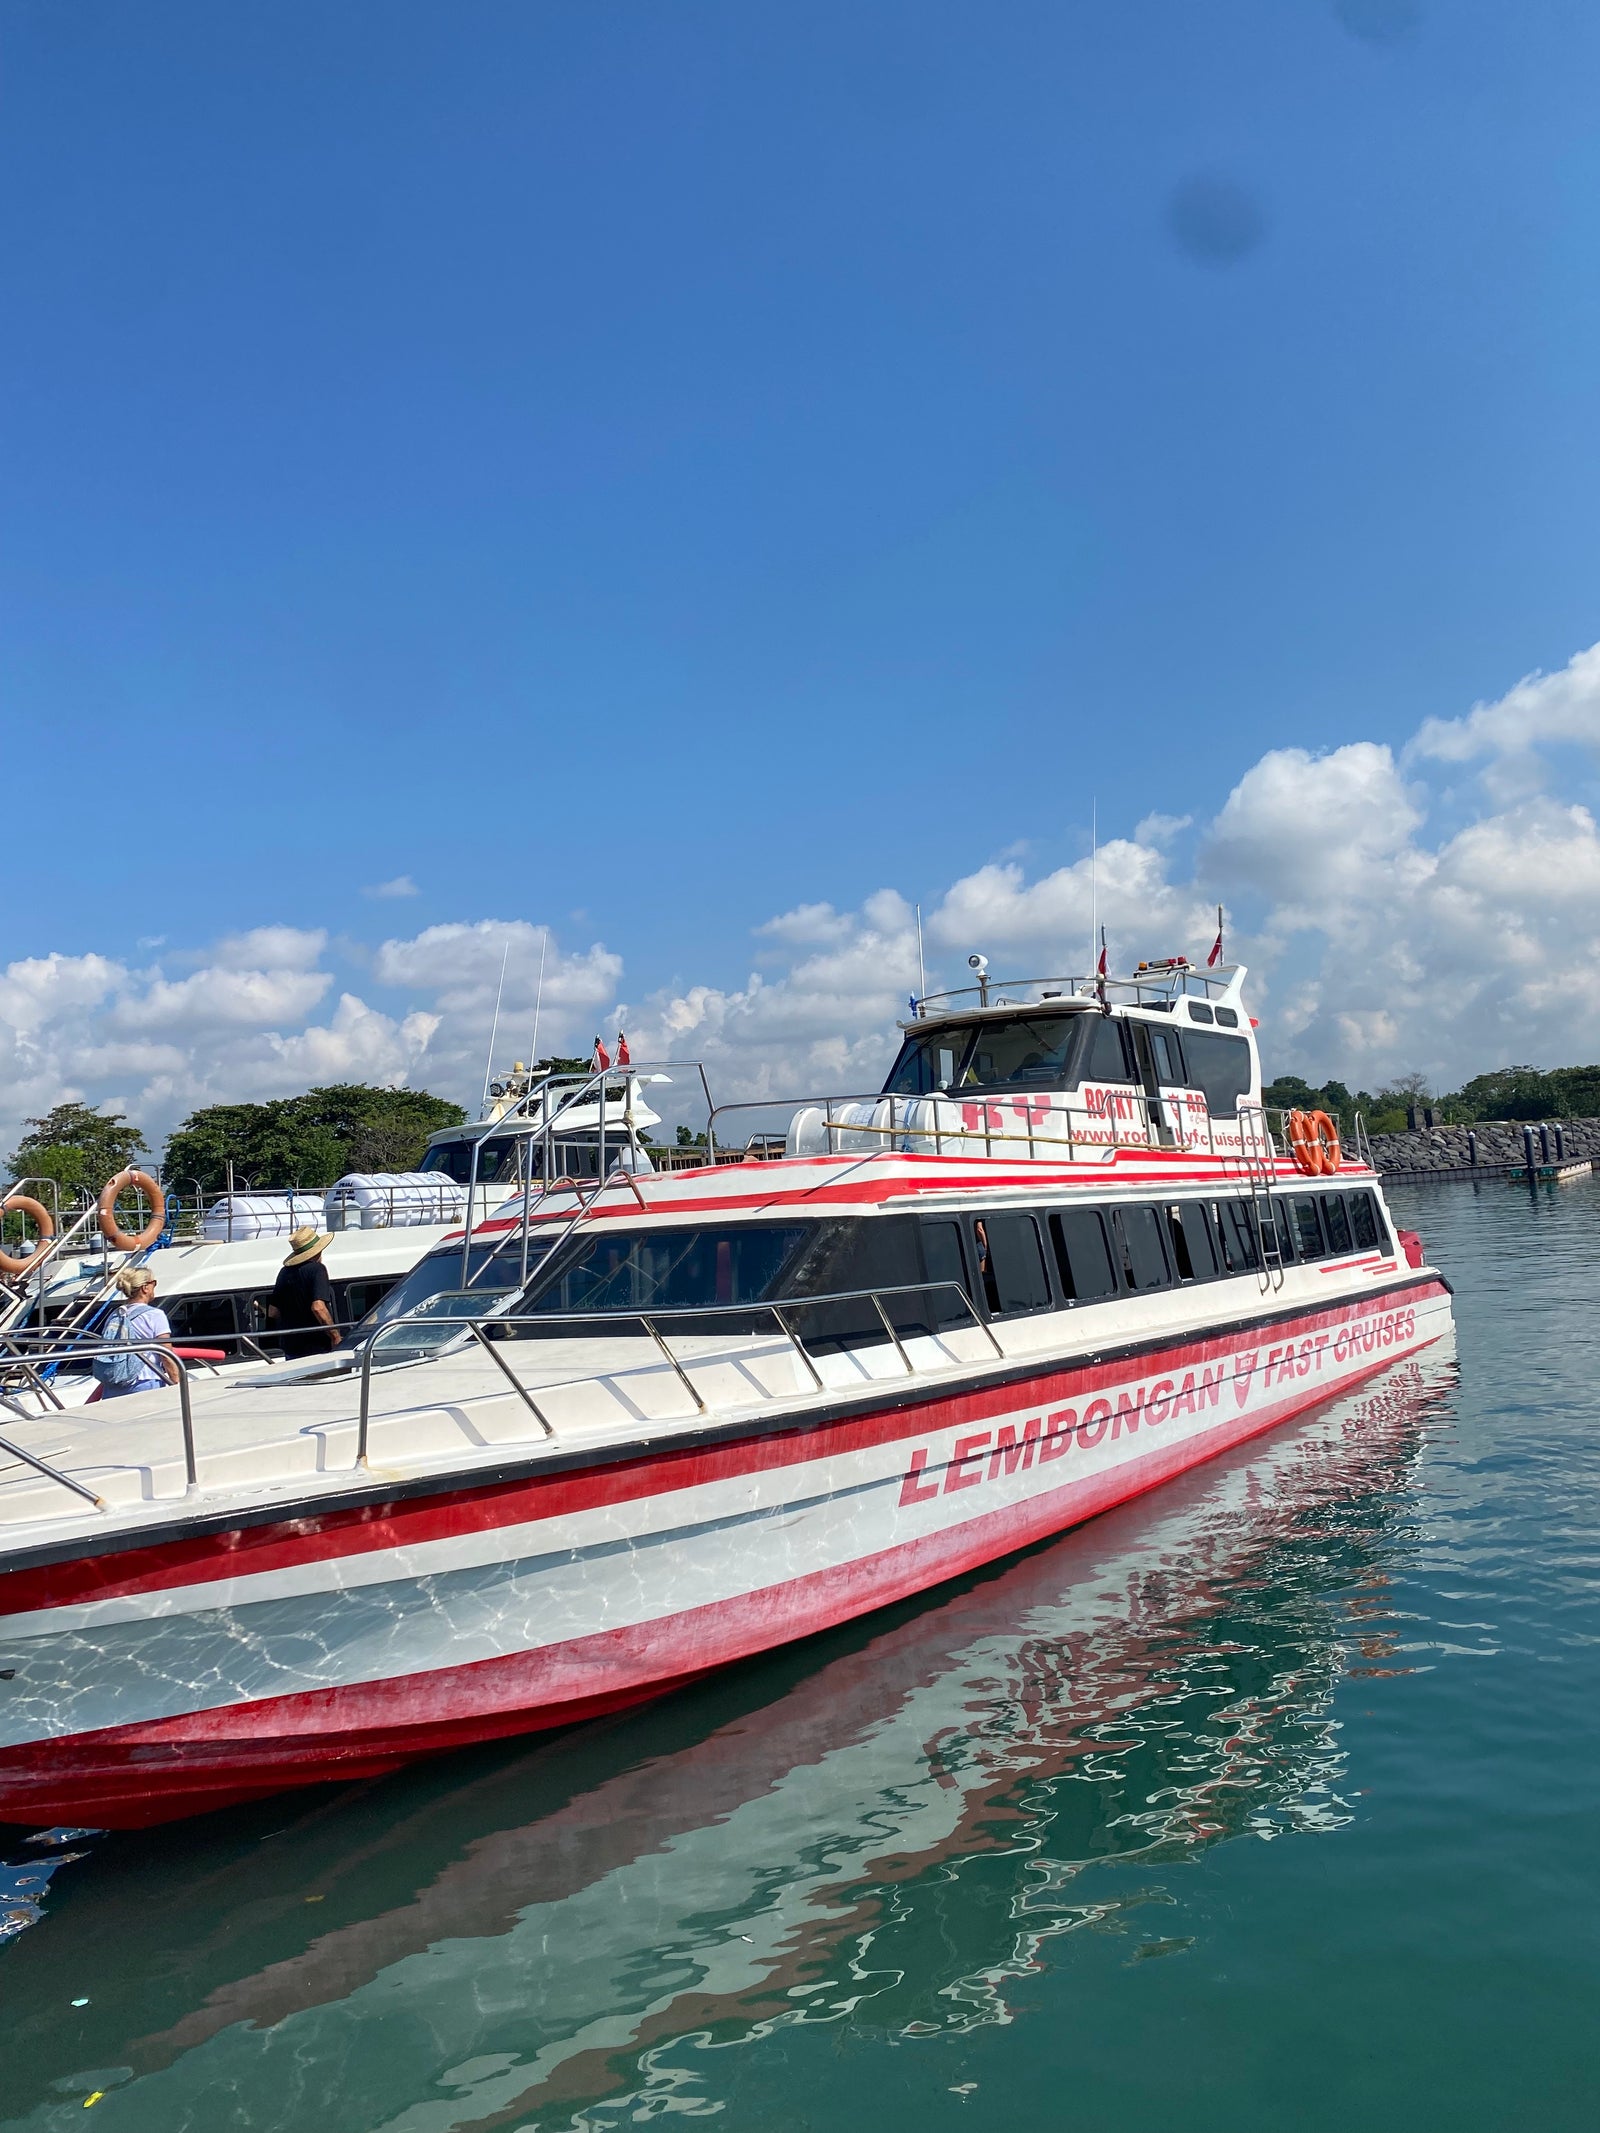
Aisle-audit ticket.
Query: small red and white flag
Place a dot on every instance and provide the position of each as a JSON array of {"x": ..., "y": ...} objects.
[
  {"x": 1100, "y": 967},
  {"x": 1215, "y": 956},
  {"x": 622, "y": 1050},
  {"x": 602, "y": 1058}
]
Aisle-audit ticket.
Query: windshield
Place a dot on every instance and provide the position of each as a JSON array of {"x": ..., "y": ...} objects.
[
  {"x": 1025, "y": 1051},
  {"x": 493, "y": 1271},
  {"x": 497, "y": 1160}
]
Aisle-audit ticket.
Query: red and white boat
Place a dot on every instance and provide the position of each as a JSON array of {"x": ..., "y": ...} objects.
[{"x": 618, "y": 1436}]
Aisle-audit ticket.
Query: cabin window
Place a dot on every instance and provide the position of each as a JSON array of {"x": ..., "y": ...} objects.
[
  {"x": 1083, "y": 1255},
  {"x": 1011, "y": 1264},
  {"x": 1192, "y": 1241},
  {"x": 1200, "y": 1012},
  {"x": 943, "y": 1259},
  {"x": 1030, "y": 1051},
  {"x": 926, "y": 1063},
  {"x": 1104, "y": 1056},
  {"x": 1364, "y": 1222},
  {"x": 1228, "y": 1017},
  {"x": 1169, "y": 1058},
  {"x": 1241, "y": 1249},
  {"x": 206, "y": 1319},
  {"x": 1144, "y": 1258},
  {"x": 1307, "y": 1228},
  {"x": 1336, "y": 1221},
  {"x": 671, "y": 1269},
  {"x": 1220, "y": 1066}
]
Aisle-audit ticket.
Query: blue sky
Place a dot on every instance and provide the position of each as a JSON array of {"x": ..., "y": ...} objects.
[{"x": 644, "y": 468}]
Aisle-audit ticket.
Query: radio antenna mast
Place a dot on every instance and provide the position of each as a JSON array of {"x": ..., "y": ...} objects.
[
  {"x": 538, "y": 1001},
  {"x": 494, "y": 1031}
]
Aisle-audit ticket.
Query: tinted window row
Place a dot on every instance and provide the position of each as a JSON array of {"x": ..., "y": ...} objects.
[
  {"x": 1008, "y": 1263},
  {"x": 1107, "y": 1251}
]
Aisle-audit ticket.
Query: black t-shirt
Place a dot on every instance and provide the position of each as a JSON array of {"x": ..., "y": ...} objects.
[{"x": 296, "y": 1289}]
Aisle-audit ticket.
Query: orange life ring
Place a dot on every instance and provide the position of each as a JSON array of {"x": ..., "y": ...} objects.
[
  {"x": 1313, "y": 1142},
  {"x": 1327, "y": 1141},
  {"x": 47, "y": 1229},
  {"x": 154, "y": 1198}
]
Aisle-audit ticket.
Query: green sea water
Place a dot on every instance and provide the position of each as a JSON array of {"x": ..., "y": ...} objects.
[{"x": 1269, "y": 1801}]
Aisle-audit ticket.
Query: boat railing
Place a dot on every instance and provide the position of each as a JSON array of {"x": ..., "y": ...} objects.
[
  {"x": 1009, "y": 1124},
  {"x": 1151, "y": 986},
  {"x": 18, "y": 1360},
  {"x": 493, "y": 1334}
]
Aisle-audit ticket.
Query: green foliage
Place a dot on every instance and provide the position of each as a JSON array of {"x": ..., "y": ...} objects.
[
  {"x": 77, "y": 1146},
  {"x": 1290, "y": 1093},
  {"x": 686, "y": 1139},
  {"x": 1520, "y": 1092},
  {"x": 1525, "y": 1092},
  {"x": 306, "y": 1140}
]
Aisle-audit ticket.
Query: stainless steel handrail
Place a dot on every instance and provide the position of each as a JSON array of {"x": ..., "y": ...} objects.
[
  {"x": 1079, "y": 1146},
  {"x": 1164, "y": 984},
  {"x": 777, "y": 1310},
  {"x": 151, "y": 1349}
]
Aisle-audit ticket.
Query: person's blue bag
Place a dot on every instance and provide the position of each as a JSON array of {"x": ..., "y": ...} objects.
[{"x": 121, "y": 1369}]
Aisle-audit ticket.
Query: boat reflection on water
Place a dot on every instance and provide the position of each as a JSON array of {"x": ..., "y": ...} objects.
[{"x": 885, "y": 1827}]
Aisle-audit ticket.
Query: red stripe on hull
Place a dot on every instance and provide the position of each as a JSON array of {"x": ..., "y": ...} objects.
[
  {"x": 462, "y": 1506},
  {"x": 135, "y": 1776}
]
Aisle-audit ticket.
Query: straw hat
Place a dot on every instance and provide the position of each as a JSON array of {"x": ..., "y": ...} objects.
[{"x": 305, "y": 1244}]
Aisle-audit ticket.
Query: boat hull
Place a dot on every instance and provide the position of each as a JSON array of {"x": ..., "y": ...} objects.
[{"x": 212, "y": 1668}]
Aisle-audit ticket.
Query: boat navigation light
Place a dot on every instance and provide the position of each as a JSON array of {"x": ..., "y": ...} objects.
[{"x": 980, "y": 963}]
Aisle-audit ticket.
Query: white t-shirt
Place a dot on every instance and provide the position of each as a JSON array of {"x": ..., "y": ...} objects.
[{"x": 140, "y": 1322}]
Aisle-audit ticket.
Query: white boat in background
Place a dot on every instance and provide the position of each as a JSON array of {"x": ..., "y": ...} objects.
[
  {"x": 216, "y": 1257},
  {"x": 629, "y": 1429}
]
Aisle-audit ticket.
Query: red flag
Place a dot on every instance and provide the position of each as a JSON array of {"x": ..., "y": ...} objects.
[
  {"x": 1215, "y": 956},
  {"x": 602, "y": 1058},
  {"x": 622, "y": 1050},
  {"x": 1100, "y": 967}
]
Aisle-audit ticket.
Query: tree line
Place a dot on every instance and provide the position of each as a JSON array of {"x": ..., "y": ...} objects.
[
  {"x": 307, "y": 1141},
  {"x": 1516, "y": 1092}
]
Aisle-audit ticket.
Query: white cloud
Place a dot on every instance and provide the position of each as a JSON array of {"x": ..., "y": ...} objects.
[
  {"x": 402, "y": 885},
  {"x": 1542, "y": 709},
  {"x": 270, "y": 948},
  {"x": 808, "y": 923},
  {"x": 212, "y": 998}
]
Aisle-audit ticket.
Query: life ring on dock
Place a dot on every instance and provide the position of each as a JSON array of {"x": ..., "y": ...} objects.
[
  {"x": 154, "y": 1198},
  {"x": 1313, "y": 1142},
  {"x": 22, "y": 1205}
]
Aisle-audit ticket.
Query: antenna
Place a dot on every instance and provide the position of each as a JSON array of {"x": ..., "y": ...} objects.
[
  {"x": 538, "y": 1001},
  {"x": 922, "y": 968},
  {"x": 488, "y": 1064},
  {"x": 1094, "y": 857}
]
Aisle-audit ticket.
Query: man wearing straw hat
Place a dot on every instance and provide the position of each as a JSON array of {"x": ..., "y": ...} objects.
[{"x": 300, "y": 1309}]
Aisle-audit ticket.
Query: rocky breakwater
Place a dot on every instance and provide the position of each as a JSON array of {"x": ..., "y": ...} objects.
[{"x": 1499, "y": 1146}]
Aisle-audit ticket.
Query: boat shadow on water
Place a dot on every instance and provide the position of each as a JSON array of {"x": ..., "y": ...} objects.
[{"x": 886, "y": 1827}]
